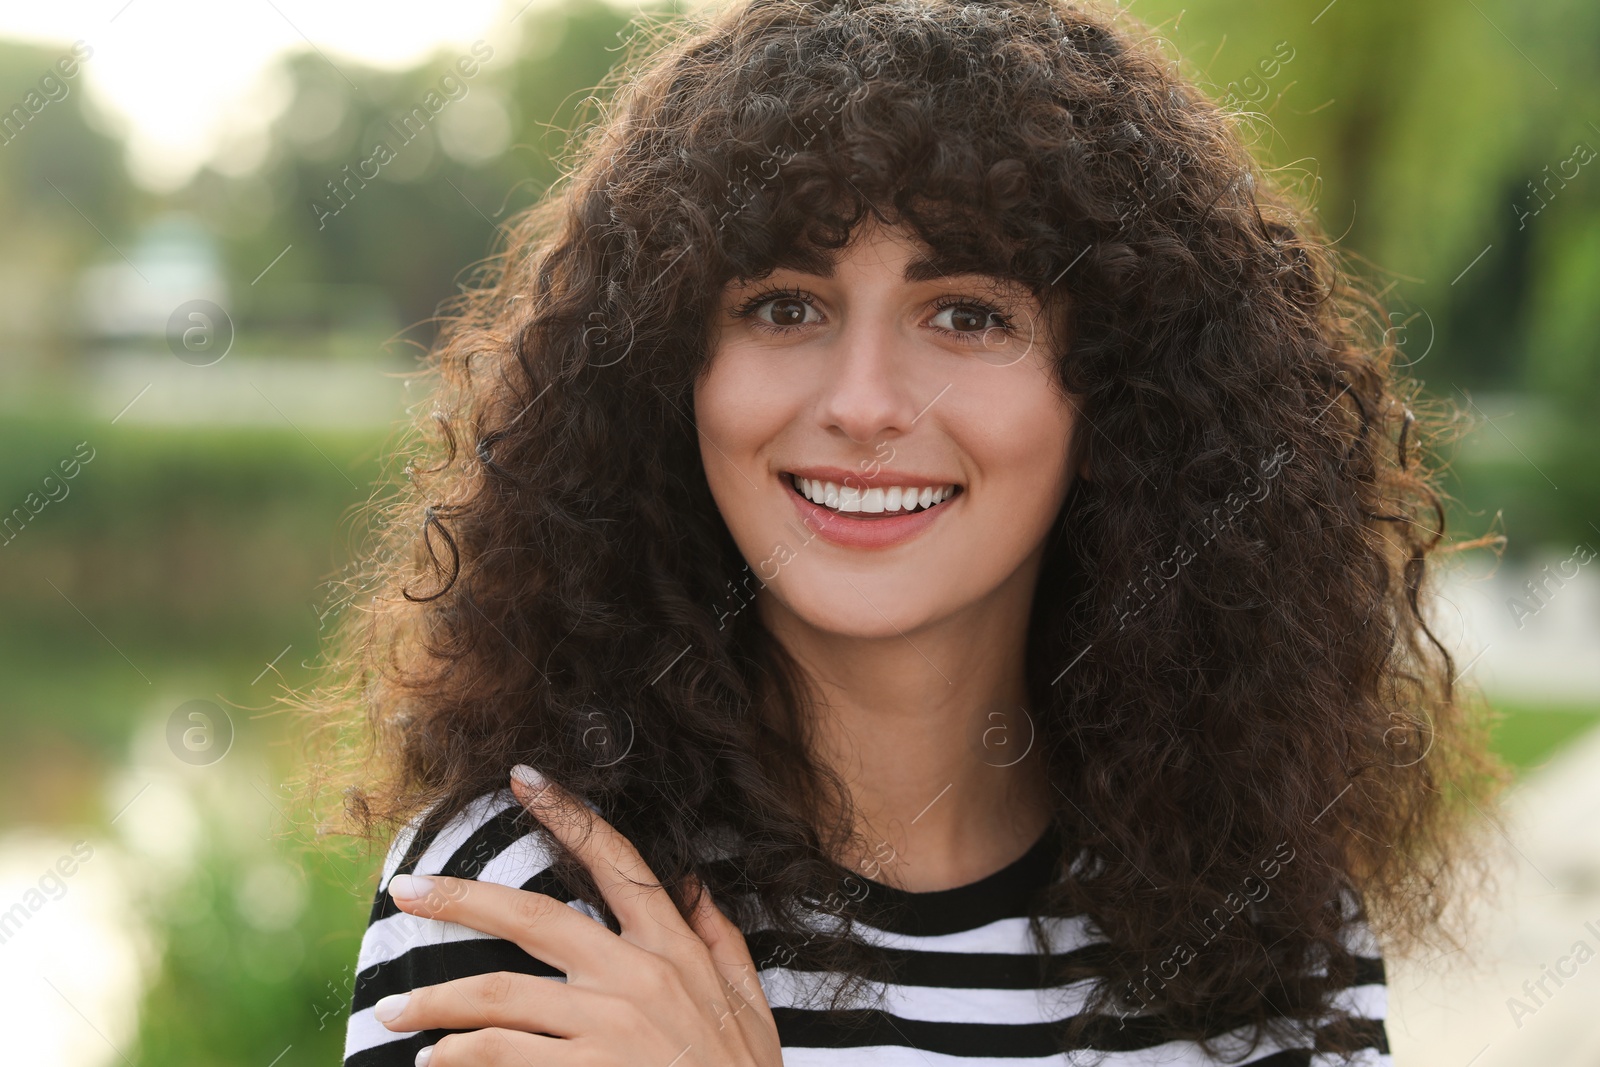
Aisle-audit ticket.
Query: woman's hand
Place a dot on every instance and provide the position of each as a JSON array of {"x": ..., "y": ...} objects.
[{"x": 664, "y": 993}]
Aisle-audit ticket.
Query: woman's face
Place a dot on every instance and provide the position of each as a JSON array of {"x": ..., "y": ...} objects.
[{"x": 875, "y": 389}]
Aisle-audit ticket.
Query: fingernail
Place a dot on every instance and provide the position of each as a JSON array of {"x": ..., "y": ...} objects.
[
  {"x": 409, "y": 887},
  {"x": 423, "y": 1056},
  {"x": 529, "y": 777},
  {"x": 389, "y": 1008}
]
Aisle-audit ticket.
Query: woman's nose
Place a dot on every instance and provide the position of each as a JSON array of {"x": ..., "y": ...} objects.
[{"x": 867, "y": 390}]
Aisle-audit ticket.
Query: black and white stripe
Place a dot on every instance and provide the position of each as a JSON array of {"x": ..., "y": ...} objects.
[{"x": 965, "y": 993}]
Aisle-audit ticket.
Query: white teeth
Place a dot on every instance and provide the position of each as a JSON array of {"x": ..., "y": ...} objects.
[{"x": 873, "y": 501}]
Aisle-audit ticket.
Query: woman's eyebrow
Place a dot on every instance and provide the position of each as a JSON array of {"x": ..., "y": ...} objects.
[
  {"x": 927, "y": 270},
  {"x": 917, "y": 270},
  {"x": 920, "y": 269}
]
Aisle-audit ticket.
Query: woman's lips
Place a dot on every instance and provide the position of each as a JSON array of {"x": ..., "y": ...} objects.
[{"x": 858, "y": 530}]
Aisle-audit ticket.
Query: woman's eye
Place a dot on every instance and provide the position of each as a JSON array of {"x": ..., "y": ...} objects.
[
  {"x": 969, "y": 318},
  {"x": 788, "y": 311},
  {"x": 965, "y": 318}
]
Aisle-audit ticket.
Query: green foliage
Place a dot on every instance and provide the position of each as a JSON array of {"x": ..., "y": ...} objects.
[
  {"x": 1421, "y": 131},
  {"x": 411, "y": 234},
  {"x": 259, "y": 956},
  {"x": 1527, "y": 735},
  {"x": 179, "y": 563}
]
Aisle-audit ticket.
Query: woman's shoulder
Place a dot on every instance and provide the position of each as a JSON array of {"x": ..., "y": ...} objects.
[
  {"x": 490, "y": 840},
  {"x": 1365, "y": 998}
]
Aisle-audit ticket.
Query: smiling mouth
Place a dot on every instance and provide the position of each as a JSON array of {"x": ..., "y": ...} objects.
[{"x": 882, "y": 502}]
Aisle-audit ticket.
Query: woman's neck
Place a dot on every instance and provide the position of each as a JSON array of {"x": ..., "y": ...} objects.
[{"x": 933, "y": 734}]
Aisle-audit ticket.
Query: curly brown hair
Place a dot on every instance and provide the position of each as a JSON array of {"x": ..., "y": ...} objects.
[{"x": 1228, "y": 659}]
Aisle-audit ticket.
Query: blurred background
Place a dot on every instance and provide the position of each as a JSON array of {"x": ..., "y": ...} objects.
[{"x": 208, "y": 282}]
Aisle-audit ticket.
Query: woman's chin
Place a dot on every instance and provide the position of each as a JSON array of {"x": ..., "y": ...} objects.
[{"x": 880, "y": 609}]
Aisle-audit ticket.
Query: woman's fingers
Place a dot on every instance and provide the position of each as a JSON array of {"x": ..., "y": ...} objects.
[
  {"x": 648, "y": 916},
  {"x": 496, "y": 1047},
  {"x": 507, "y": 999},
  {"x": 670, "y": 983},
  {"x": 728, "y": 949},
  {"x": 707, "y": 920},
  {"x": 540, "y": 925},
  {"x": 646, "y": 912}
]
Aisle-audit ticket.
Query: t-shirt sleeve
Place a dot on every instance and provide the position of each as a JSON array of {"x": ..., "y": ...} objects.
[{"x": 492, "y": 840}]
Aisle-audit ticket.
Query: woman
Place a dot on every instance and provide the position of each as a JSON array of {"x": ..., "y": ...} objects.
[{"x": 950, "y": 537}]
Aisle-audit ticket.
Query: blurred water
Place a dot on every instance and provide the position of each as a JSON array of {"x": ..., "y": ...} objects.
[
  {"x": 72, "y": 952},
  {"x": 156, "y": 389}
]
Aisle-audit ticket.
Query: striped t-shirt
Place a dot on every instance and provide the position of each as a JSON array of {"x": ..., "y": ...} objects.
[{"x": 966, "y": 991}]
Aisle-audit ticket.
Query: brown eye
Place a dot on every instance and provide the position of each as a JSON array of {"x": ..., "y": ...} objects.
[
  {"x": 787, "y": 309},
  {"x": 788, "y": 312},
  {"x": 964, "y": 318},
  {"x": 967, "y": 318}
]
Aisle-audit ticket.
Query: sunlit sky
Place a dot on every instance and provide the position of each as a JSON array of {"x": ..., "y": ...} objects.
[{"x": 185, "y": 80}]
